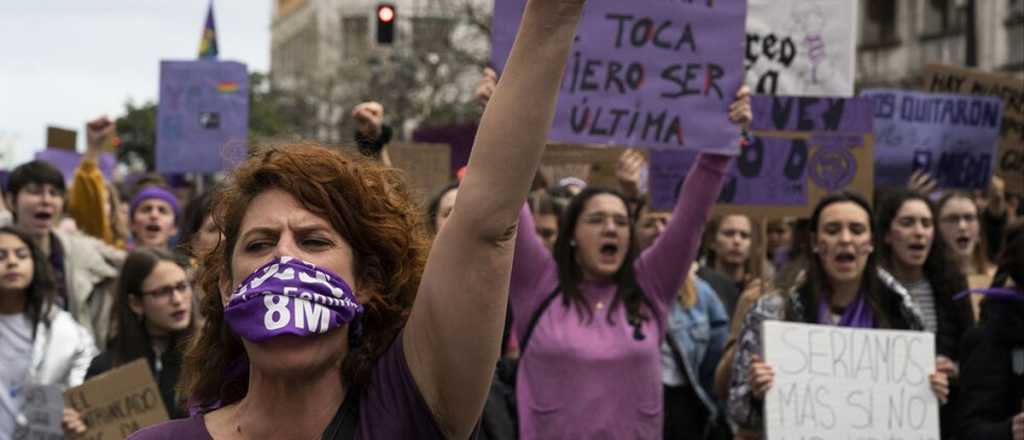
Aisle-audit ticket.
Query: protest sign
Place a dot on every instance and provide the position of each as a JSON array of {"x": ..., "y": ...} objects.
[
  {"x": 1010, "y": 156},
  {"x": 202, "y": 117},
  {"x": 835, "y": 382},
  {"x": 951, "y": 137},
  {"x": 61, "y": 138},
  {"x": 427, "y": 166},
  {"x": 42, "y": 411},
  {"x": 593, "y": 164},
  {"x": 645, "y": 73},
  {"x": 802, "y": 149},
  {"x": 801, "y": 47},
  {"x": 67, "y": 161},
  {"x": 118, "y": 402}
]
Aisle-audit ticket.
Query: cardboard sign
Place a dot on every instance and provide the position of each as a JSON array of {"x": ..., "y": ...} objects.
[
  {"x": 428, "y": 166},
  {"x": 803, "y": 148},
  {"x": 118, "y": 402},
  {"x": 1010, "y": 156},
  {"x": 61, "y": 138},
  {"x": 834, "y": 382},
  {"x": 951, "y": 137},
  {"x": 593, "y": 164},
  {"x": 43, "y": 411},
  {"x": 645, "y": 73},
  {"x": 203, "y": 116},
  {"x": 801, "y": 47}
]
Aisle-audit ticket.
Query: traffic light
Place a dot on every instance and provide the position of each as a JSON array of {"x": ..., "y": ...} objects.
[{"x": 386, "y": 23}]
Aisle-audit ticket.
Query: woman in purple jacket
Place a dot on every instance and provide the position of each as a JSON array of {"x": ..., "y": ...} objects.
[{"x": 593, "y": 365}]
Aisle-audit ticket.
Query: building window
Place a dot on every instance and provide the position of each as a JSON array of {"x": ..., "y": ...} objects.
[
  {"x": 355, "y": 34},
  {"x": 431, "y": 34},
  {"x": 943, "y": 17},
  {"x": 879, "y": 26}
]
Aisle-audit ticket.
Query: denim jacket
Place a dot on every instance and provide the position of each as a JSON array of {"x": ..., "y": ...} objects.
[{"x": 700, "y": 334}]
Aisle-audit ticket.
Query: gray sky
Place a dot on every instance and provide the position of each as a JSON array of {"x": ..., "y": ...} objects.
[{"x": 66, "y": 61}]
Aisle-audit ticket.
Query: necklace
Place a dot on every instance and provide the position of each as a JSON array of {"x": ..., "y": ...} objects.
[{"x": 599, "y": 305}]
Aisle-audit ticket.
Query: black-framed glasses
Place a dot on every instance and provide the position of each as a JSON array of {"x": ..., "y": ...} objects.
[{"x": 164, "y": 293}]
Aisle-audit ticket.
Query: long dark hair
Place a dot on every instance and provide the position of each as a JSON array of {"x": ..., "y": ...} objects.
[
  {"x": 191, "y": 221},
  {"x": 813, "y": 290},
  {"x": 43, "y": 288},
  {"x": 131, "y": 340},
  {"x": 570, "y": 274},
  {"x": 940, "y": 270},
  {"x": 1011, "y": 258}
]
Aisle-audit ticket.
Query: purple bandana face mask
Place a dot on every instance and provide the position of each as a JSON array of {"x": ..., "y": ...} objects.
[{"x": 288, "y": 296}]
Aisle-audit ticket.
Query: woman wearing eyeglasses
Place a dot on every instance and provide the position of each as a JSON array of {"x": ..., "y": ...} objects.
[
  {"x": 961, "y": 229},
  {"x": 153, "y": 316}
]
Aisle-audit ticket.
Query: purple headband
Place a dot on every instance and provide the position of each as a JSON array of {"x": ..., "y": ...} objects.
[{"x": 153, "y": 192}]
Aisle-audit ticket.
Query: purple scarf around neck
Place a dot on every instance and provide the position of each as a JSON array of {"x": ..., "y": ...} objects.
[{"x": 857, "y": 314}]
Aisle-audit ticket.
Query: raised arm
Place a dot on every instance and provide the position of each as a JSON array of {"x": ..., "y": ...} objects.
[
  {"x": 87, "y": 197},
  {"x": 453, "y": 336},
  {"x": 676, "y": 248}
]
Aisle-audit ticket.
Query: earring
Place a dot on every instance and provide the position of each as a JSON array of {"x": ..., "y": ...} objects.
[{"x": 572, "y": 243}]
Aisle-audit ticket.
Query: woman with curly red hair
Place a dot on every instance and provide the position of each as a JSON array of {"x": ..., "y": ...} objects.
[{"x": 331, "y": 321}]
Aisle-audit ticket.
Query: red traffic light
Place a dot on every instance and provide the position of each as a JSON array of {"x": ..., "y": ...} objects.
[{"x": 386, "y": 13}]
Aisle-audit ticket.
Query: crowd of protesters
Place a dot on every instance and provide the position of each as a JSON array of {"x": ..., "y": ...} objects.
[{"x": 607, "y": 318}]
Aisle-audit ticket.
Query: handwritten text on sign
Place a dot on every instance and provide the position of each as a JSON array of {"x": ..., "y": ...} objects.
[
  {"x": 951, "y": 137},
  {"x": 801, "y": 47},
  {"x": 799, "y": 144},
  {"x": 834, "y": 382},
  {"x": 649, "y": 73},
  {"x": 950, "y": 79},
  {"x": 119, "y": 402}
]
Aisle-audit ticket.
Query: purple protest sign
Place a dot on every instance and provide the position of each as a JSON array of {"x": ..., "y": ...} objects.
[
  {"x": 802, "y": 147},
  {"x": 203, "y": 116},
  {"x": 67, "y": 161},
  {"x": 646, "y": 73},
  {"x": 951, "y": 137},
  {"x": 788, "y": 113}
]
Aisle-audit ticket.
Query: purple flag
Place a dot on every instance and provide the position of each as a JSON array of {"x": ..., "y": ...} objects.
[
  {"x": 951, "y": 137},
  {"x": 203, "y": 116},
  {"x": 645, "y": 73}
]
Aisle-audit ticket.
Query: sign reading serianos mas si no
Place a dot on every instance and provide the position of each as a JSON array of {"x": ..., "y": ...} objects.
[{"x": 645, "y": 73}]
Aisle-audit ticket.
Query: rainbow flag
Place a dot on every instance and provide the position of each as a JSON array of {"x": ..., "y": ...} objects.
[
  {"x": 208, "y": 42},
  {"x": 227, "y": 87}
]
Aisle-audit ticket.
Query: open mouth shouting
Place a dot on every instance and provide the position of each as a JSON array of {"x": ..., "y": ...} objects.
[
  {"x": 845, "y": 260},
  {"x": 609, "y": 252}
]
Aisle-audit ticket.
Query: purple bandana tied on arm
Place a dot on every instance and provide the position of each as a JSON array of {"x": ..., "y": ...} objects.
[{"x": 288, "y": 296}]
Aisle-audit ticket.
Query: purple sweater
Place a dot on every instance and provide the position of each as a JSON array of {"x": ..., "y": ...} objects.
[{"x": 593, "y": 380}]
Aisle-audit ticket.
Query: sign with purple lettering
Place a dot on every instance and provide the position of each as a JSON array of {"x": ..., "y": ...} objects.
[
  {"x": 203, "y": 116},
  {"x": 648, "y": 73},
  {"x": 951, "y": 137},
  {"x": 802, "y": 148}
]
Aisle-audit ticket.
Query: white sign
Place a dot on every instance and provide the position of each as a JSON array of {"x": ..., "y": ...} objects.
[
  {"x": 801, "y": 47},
  {"x": 841, "y": 383},
  {"x": 41, "y": 413}
]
